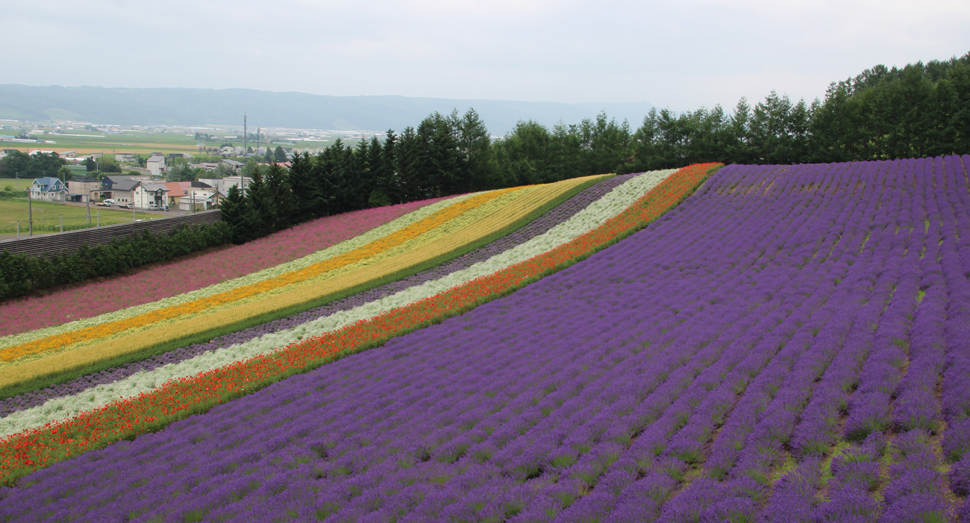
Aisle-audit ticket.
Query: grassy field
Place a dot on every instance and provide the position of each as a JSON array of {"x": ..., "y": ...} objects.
[
  {"x": 17, "y": 185},
  {"x": 47, "y": 216}
]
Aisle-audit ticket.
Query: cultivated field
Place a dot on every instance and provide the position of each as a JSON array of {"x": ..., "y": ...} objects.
[{"x": 144, "y": 142}]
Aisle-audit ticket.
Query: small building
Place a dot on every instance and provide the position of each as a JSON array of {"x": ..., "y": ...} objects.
[
  {"x": 81, "y": 189},
  {"x": 108, "y": 182},
  {"x": 151, "y": 196},
  {"x": 234, "y": 164},
  {"x": 176, "y": 192},
  {"x": 156, "y": 165},
  {"x": 48, "y": 189},
  {"x": 125, "y": 158},
  {"x": 205, "y": 166},
  {"x": 200, "y": 197},
  {"x": 223, "y": 185},
  {"x": 123, "y": 191}
]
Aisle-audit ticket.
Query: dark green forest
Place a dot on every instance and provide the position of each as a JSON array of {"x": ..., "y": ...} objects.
[{"x": 917, "y": 111}]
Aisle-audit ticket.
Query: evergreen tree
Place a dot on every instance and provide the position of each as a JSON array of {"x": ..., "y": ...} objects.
[
  {"x": 475, "y": 147},
  {"x": 279, "y": 155},
  {"x": 301, "y": 183},
  {"x": 237, "y": 214},
  {"x": 441, "y": 162},
  {"x": 380, "y": 176},
  {"x": 281, "y": 198},
  {"x": 261, "y": 204},
  {"x": 409, "y": 155}
]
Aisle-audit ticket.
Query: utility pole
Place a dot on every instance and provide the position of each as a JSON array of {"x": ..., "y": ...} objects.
[{"x": 30, "y": 212}]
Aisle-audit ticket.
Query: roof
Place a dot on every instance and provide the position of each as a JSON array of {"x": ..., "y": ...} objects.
[
  {"x": 125, "y": 185},
  {"x": 47, "y": 184},
  {"x": 152, "y": 187},
  {"x": 178, "y": 188},
  {"x": 155, "y": 159}
]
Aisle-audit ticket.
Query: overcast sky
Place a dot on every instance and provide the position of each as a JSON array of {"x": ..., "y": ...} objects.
[{"x": 681, "y": 55}]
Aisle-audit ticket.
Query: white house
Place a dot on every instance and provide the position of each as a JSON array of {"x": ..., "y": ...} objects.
[
  {"x": 156, "y": 165},
  {"x": 150, "y": 196}
]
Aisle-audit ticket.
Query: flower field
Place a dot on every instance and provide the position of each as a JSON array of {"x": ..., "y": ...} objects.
[
  {"x": 789, "y": 343},
  {"x": 595, "y": 207}
]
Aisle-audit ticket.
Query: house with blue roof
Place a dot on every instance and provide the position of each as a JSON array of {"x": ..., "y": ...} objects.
[{"x": 48, "y": 189}]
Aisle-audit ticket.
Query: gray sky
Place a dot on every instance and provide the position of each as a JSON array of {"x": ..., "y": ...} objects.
[{"x": 681, "y": 55}]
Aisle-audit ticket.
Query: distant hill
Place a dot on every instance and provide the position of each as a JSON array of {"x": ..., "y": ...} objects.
[{"x": 272, "y": 109}]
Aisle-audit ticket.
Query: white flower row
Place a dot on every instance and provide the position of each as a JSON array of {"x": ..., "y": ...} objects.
[
  {"x": 265, "y": 274},
  {"x": 584, "y": 221}
]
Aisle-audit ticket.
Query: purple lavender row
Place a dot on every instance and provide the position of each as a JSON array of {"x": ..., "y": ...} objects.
[
  {"x": 955, "y": 398},
  {"x": 750, "y": 444},
  {"x": 882, "y": 373},
  {"x": 923, "y": 372},
  {"x": 533, "y": 229},
  {"x": 590, "y": 457},
  {"x": 531, "y": 407},
  {"x": 915, "y": 488},
  {"x": 776, "y": 425},
  {"x": 818, "y": 429},
  {"x": 916, "y": 491}
]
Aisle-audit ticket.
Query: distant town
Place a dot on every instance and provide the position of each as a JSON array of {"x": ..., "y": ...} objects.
[{"x": 154, "y": 167}]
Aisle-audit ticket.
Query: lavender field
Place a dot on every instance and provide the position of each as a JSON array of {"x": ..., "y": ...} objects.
[{"x": 791, "y": 343}]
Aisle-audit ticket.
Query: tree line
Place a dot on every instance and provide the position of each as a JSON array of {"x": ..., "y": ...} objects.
[
  {"x": 919, "y": 110},
  {"x": 22, "y": 274},
  {"x": 18, "y": 164}
]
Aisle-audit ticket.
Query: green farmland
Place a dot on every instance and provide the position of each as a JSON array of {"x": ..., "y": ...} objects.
[
  {"x": 47, "y": 216},
  {"x": 145, "y": 142}
]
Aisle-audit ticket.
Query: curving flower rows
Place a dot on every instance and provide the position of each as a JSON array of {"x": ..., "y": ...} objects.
[
  {"x": 201, "y": 391},
  {"x": 537, "y": 227},
  {"x": 586, "y": 219},
  {"x": 459, "y": 223}
]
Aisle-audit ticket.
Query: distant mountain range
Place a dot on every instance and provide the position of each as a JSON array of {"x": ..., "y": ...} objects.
[{"x": 196, "y": 107}]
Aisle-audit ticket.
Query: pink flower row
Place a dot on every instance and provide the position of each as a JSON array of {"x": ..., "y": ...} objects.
[{"x": 164, "y": 281}]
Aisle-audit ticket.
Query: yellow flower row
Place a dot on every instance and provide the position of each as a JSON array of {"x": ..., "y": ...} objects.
[{"x": 131, "y": 337}]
